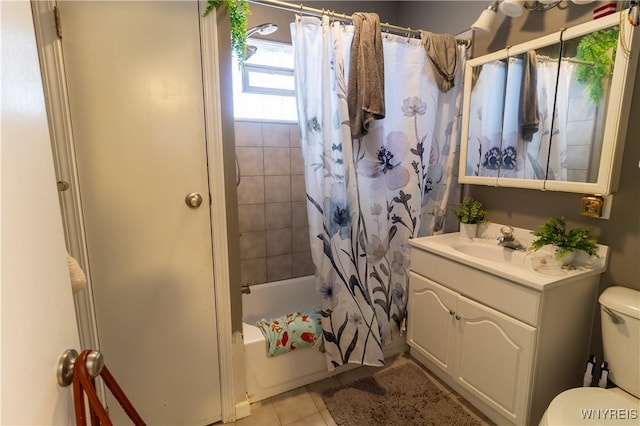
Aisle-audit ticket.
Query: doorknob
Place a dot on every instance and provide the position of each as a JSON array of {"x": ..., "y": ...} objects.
[
  {"x": 193, "y": 200},
  {"x": 65, "y": 367},
  {"x": 67, "y": 361}
]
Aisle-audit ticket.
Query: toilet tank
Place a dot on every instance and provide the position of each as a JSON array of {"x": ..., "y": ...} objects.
[{"x": 620, "y": 316}]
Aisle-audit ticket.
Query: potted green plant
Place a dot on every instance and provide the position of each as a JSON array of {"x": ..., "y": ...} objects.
[
  {"x": 554, "y": 233},
  {"x": 471, "y": 213}
]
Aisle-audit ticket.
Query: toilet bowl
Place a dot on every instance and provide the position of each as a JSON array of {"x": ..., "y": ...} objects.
[
  {"x": 620, "y": 315},
  {"x": 592, "y": 406}
]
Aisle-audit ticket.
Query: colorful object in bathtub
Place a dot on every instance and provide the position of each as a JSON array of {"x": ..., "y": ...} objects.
[{"x": 290, "y": 332}]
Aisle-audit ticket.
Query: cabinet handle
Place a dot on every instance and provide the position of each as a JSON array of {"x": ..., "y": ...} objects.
[
  {"x": 458, "y": 317},
  {"x": 451, "y": 312}
]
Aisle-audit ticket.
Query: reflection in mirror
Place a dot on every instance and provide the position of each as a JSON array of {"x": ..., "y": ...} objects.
[
  {"x": 528, "y": 113},
  {"x": 583, "y": 92},
  {"x": 486, "y": 109}
]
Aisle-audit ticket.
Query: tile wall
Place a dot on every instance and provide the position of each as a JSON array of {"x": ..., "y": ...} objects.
[
  {"x": 583, "y": 128},
  {"x": 274, "y": 236}
]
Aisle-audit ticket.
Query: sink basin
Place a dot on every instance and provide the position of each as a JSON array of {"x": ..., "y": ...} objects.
[
  {"x": 492, "y": 252},
  {"x": 536, "y": 269}
]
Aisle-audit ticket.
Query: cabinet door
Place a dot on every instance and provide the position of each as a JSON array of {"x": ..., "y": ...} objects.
[
  {"x": 431, "y": 320},
  {"x": 495, "y": 357}
]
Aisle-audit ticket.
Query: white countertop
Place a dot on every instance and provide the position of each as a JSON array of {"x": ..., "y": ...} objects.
[{"x": 523, "y": 267}]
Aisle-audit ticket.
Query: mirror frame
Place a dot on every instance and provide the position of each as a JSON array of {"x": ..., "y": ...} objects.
[
  {"x": 616, "y": 115},
  {"x": 466, "y": 106}
]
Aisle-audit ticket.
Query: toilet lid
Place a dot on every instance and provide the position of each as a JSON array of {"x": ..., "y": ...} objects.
[{"x": 593, "y": 406}]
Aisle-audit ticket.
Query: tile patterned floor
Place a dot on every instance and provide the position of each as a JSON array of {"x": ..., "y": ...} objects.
[{"x": 304, "y": 406}]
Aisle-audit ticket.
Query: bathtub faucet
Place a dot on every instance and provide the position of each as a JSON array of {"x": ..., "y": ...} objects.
[
  {"x": 245, "y": 289},
  {"x": 508, "y": 240}
]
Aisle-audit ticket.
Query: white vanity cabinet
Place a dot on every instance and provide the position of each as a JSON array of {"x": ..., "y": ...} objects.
[
  {"x": 488, "y": 353},
  {"x": 507, "y": 347}
]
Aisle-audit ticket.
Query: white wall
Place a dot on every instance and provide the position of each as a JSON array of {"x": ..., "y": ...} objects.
[{"x": 37, "y": 314}]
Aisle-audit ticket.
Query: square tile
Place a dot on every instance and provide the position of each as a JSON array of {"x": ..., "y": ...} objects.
[
  {"x": 294, "y": 135},
  {"x": 251, "y": 190},
  {"x": 278, "y": 267},
  {"x": 315, "y": 419},
  {"x": 300, "y": 239},
  {"x": 278, "y": 215},
  {"x": 251, "y": 217},
  {"x": 262, "y": 413},
  {"x": 277, "y": 189},
  {"x": 253, "y": 244},
  {"x": 253, "y": 271},
  {"x": 578, "y": 157},
  {"x": 297, "y": 161},
  {"x": 315, "y": 390},
  {"x": 582, "y": 132},
  {"x": 250, "y": 161},
  {"x": 294, "y": 405},
  {"x": 302, "y": 264},
  {"x": 248, "y": 133},
  {"x": 299, "y": 214},
  {"x": 278, "y": 242},
  {"x": 275, "y": 134},
  {"x": 277, "y": 161},
  {"x": 326, "y": 415},
  {"x": 581, "y": 108},
  {"x": 298, "y": 189}
]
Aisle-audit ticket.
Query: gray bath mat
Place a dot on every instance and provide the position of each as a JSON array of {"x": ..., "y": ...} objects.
[{"x": 399, "y": 395}]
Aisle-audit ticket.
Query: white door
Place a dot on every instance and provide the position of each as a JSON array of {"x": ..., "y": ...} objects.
[
  {"x": 133, "y": 71},
  {"x": 495, "y": 358},
  {"x": 431, "y": 327},
  {"x": 38, "y": 318}
]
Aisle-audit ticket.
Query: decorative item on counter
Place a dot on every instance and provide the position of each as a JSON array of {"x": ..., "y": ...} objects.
[
  {"x": 565, "y": 243},
  {"x": 471, "y": 213},
  {"x": 604, "y": 374},
  {"x": 588, "y": 373}
]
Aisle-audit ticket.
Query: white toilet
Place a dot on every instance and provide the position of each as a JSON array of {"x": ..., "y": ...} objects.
[{"x": 620, "y": 315}]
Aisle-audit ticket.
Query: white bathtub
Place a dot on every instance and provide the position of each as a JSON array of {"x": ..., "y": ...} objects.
[{"x": 270, "y": 376}]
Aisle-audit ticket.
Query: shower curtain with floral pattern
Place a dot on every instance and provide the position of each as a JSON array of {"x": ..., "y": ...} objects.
[{"x": 367, "y": 197}]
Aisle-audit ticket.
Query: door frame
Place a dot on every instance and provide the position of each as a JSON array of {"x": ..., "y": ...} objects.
[{"x": 57, "y": 103}]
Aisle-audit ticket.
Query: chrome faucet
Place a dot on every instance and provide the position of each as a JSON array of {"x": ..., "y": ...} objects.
[{"x": 508, "y": 240}]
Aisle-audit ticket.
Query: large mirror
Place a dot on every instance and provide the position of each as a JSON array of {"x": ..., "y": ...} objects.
[
  {"x": 584, "y": 88},
  {"x": 551, "y": 114},
  {"x": 485, "y": 113},
  {"x": 529, "y": 112}
]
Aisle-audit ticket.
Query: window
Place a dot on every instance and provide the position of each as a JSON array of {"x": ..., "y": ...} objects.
[{"x": 263, "y": 88}]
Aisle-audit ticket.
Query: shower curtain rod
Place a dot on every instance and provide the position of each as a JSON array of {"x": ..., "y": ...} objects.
[{"x": 342, "y": 17}]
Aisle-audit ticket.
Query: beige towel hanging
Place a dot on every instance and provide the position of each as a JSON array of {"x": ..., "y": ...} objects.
[
  {"x": 442, "y": 50},
  {"x": 77, "y": 275},
  {"x": 365, "y": 91},
  {"x": 529, "y": 115}
]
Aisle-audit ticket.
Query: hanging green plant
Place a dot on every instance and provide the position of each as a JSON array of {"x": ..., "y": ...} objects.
[
  {"x": 238, "y": 12},
  {"x": 599, "y": 49}
]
